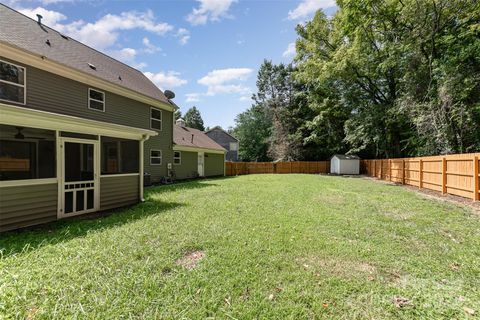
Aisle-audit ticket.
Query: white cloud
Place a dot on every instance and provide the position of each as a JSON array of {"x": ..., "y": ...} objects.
[
  {"x": 291, "y": 51},
  {"x": 192, "y": 97},
  {"x": 307, "y": 7},
  {"x": 103, "y": 33},
  {"x": 149, "y": 47},
  {"x": 209, "y": 10},
  {"x": 220, "y": 81},
  {"x": 245, "y": 98},
  {"x": 125, "y": 54},
  {"x": 166, "y": 80},
  {"x": 50, "y": 18},
  {"x": 183, "y": 35},
  {"x": 47, "y": 2}
]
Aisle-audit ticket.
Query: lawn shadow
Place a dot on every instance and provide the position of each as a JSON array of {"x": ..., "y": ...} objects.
[{"x": 32, "y": 238}]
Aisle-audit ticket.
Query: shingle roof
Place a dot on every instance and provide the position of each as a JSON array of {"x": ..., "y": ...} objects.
[
  {"x": 346, "y": 157},
  {"x": 221, "y": 129},
  {"x": 189, "y": 137},
  {"x": 24, "y": 33}
]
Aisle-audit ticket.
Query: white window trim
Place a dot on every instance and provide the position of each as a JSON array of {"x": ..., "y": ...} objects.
[
  {"x": 179, "y": 158},
  {"x": 161, "y": 157},
  {"x": 92, "y": 99},
  {"x": 24, "y": 85},
  {"x": 230, "y": 146},
  {"x": 161, "y": 119}
]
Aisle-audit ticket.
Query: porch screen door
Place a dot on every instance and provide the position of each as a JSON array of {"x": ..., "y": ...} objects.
[{"x": 79, "y": 176}]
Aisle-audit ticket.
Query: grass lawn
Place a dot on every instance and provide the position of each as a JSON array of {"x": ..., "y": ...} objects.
[{"x": 276, "y": 246}]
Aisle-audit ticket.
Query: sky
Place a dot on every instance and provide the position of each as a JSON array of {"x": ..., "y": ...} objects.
[{"x": 206, "y": 51}]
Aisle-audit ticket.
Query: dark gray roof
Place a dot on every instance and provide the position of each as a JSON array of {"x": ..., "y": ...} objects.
[
  {"x": 24, "y": 33},
  {"x": 218, "y": 128},
  {"x": 346, "y": 157}
]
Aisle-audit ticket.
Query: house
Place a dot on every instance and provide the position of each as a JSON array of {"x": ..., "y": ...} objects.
[
  {"x": 77, "y": 127},
  {"x": 344, "y": 164},
  {"x": 195, "y": 154},
  {"x": 226, "y": 140}
]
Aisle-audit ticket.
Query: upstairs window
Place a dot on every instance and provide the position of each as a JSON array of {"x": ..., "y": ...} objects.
[
  {"x": 155, "y": 157},
  {"x": 233, "y": 146},
  {"x": 96, "y": 100},
  {"x": 12, "y": 82},
  {"x": 177, "y": 157},
  {"x": 155, "y": 119}
]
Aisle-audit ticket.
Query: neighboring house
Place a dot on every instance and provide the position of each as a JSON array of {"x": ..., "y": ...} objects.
[
  {"x": 226, "y": 140},
  {"x": 77, "y": 127},
  {"x": 195, "y": 154}
]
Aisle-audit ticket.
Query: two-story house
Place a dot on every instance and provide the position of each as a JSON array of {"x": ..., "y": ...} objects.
[
  {"x": 77, "y": 128},
  {"x": 226, "y": 140}
]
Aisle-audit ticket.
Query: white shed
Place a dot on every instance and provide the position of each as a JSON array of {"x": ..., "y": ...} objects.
[{"x": 343, "y": 164}]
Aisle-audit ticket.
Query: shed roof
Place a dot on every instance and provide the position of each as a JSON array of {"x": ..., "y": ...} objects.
[
  {"x": 345, "y": 157},
  {"x": 218, "y": 128},
  {"x": 24, "y": 33},
  {"x": 189, "y": 137}
]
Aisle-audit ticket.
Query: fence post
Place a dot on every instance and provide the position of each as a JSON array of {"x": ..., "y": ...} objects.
[
  {"x": 403, "y": 171},
  {"x": 444, "y": 175},
  {"x": 390, "y": 169},
  {"x": 381, "y": 169},
  {"x": 420, "y": 182},
  {"x": 475, "y": 179}
]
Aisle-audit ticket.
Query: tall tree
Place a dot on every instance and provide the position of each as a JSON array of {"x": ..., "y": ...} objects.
[
  {"x": 193, "y": 119},
  {"x": 253, "y": 130},
  {"x": 178, "y": 114}
]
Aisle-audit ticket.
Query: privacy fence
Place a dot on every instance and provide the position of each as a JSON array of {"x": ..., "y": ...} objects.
[
  {"x": 240, "y": 168},
  {"x": 451, "y": 174}
]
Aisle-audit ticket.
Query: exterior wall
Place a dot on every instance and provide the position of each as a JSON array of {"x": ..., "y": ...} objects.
[
  {"x": 49, "y": 92},
  {"x": 189, "y": 166},
  {"x": 223, "y": 139},
  {"x": 214, "y": 164},
  {"x": 24, "y": 206},
  {"x": 349, "y": 166},
  {"x": 119, "y": 191}
]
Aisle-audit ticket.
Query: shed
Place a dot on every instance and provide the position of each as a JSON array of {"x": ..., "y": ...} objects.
[{"x": 345, "y": 164}]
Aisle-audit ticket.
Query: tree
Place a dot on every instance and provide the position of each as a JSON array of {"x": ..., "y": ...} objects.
[
  {"x": 178, "y": 114},
  {"x": 253, "y": 129},
  {"x": 193, "y": 119}
]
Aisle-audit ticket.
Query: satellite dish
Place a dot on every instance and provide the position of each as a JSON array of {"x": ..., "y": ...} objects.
[{"x": 169, "y": 94}]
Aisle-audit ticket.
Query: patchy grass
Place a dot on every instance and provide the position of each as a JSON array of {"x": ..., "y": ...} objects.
[{"x": 258, "y": 246}]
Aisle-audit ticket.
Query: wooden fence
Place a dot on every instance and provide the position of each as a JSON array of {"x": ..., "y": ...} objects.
[
  {"x": 451, "y": 174},
  {"x": 240, "y": 168}
]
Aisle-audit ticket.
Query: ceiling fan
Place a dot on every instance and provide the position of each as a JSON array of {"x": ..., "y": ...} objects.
[{"x": 21, "y": 136}]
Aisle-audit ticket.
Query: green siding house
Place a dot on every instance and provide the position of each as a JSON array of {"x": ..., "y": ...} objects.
[
  {"x": 195, "y": 154},
  {"x": 78, "y": 129}
]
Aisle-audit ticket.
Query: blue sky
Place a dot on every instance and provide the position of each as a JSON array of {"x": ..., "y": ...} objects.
[{"x": 207, "y": 51}]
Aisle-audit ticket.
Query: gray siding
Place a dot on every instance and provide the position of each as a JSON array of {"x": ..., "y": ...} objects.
[
  {"x": 49, "y": 92},
  {"x": 119, "y": 191},
  {"x": 27, "y": 205},
  {"x": 214, "y": 164},
  {"x": 224, "y": 139},
  {"x": 189, "y": 166}
]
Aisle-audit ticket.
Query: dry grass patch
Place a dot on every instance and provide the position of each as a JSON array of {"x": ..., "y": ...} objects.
[
  {"x": 190, "y": 260},
  {"x": 338, "y": 267}
]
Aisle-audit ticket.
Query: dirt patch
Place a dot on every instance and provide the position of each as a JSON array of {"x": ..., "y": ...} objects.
[
  {"x": 190, "y": 260},
  {"x": 338, "y": 267}
]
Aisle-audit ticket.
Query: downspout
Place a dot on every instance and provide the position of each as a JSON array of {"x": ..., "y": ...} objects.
[{"x": 145, "y": 137}]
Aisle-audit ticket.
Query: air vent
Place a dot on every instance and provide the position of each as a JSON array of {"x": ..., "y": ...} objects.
[
  {"x": 48, "y": 43},
  {"x": 92, "y": 66},
  {"x": 64, "y": 36}
]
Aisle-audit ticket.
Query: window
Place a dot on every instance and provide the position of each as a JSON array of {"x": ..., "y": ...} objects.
[
  {"x": 155, "y": 119},
  {"x": 96, "y": 100},
  {"x": 26, "y": 153},
  {"x": 177, "y": 157},
  {"x": 119, "y": 156},
  {"x": 12, "y": 82},
  {"x": 233, "y": 146},
  {"x": 155, "y": 157}
]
